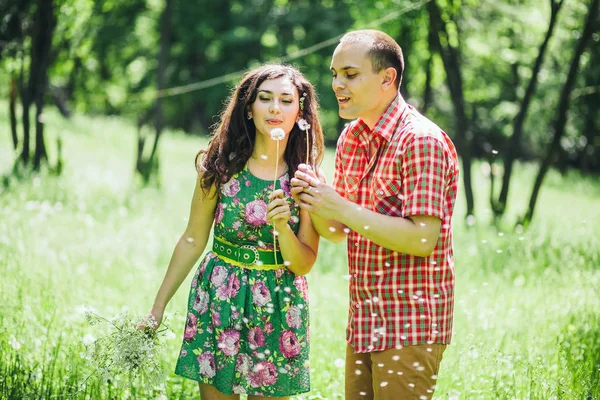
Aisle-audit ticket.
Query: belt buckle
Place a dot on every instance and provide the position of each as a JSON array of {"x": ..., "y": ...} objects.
[{"x": 254, "y": 250}]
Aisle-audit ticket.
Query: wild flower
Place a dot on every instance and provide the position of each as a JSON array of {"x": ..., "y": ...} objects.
[{"x": 126, "y": 350}]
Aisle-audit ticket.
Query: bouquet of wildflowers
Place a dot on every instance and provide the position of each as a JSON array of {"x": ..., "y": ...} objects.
[{"x": 126, "y": 350}]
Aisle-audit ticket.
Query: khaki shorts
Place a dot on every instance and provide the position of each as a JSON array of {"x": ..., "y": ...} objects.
[{"x": 398, "y": 374}]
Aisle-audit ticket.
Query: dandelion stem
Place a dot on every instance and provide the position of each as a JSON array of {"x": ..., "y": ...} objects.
[{"x": 274, "y": 188}]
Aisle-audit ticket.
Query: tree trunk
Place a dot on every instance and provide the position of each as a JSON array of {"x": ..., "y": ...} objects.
[
  {"x": 590, "y": 132},
  {"x": 165, "y": 40},
  {"x": 25, "y": 103},
  {"x": 463, "y": 138},
  {"x": 427, "y": 93},
  {"x": 512, "y": 150},
  {"x": 591, "y": 26},
  {"x": 149, "y": 167},
  {"x": 12, "y": 109},
  {"x": 42, "y": 46}
]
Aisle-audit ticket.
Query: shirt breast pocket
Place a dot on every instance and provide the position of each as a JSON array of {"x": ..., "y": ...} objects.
[{"x": 387, "y": 197}]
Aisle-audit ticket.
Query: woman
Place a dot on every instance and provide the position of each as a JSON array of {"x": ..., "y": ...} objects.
[{"x": 247, "y": 323}]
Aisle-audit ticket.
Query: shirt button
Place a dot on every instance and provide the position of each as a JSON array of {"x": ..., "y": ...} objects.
[
  {"x": 380, "y": 192},
  {"x": 357, "y": 305}
]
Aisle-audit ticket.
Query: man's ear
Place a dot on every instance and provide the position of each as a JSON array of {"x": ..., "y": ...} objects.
[{"x": 389, "y": 78}]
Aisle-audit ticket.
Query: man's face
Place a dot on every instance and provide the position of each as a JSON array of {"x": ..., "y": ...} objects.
[{"x": 357, "y": 88}]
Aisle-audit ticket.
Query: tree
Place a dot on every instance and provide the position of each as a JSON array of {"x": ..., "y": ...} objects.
[
  {"x": 149, "y": 167},
  {"x": 512, "y": 151},
  {"x": 451, "y": 58},
  {"x": 591, "y": 26}
]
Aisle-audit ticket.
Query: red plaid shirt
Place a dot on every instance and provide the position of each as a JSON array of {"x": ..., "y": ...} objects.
[{"x": 396, "y": 298}]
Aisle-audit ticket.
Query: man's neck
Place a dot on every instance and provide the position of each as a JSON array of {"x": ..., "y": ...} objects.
[{"x": 371, "y": 121}]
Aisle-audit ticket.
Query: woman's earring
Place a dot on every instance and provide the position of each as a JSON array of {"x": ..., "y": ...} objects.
[{"x": 249, "y": 116}]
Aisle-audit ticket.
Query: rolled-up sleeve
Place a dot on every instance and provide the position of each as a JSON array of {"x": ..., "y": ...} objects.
[{"x": 424, "y": 167}]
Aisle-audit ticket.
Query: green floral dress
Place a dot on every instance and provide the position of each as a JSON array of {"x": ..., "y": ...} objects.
[{"x": 247, "y": 329}]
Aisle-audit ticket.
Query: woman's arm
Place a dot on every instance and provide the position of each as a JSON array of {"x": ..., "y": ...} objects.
[
  {"x": 299, "y": 251},
  {"x": 189, "y": 248}
]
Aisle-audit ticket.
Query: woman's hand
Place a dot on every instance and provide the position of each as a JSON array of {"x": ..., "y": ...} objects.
[
  {"x": 152, "y": 320},
  {"x": 278, "y": 210}
]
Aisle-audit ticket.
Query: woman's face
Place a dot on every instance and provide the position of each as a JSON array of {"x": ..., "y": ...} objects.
[{"x": 276, "y": 106}]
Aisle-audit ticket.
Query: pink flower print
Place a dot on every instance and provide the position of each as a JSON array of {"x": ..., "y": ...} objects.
[
  {"x": 279, "y": 273},
  {"x": 256, "y": 337},
  {"x": 191, "y": 327},
  {"x": 231, "y": 188},
  {"x": 229, "y": 342},
  {"x": 263, "y": 374},
  {"x": 183, "y": 353},
  {"x": 216, "y": 318},
  {"x": 201, "y": 302},
  {"x": 256, "y": 212},
  {"x": 236, "y": 225},
  {"x": 288, "y": 344},
  {"x": 235, "y": 314},
  {"x": 219, "y": 275},
  {"x": 268, "y": 328},
  {"x": 248, "y": 183},
  {"x": 243, "y": 364},
  {"x": 236, "y": 201},
  {"x": 285, "y": 185},
  {"x": 260, "y": 294},
  {"x": 206, "y": 361},
  {"x": 293, "y": 317},
  {"x": 219, "y": 212},
  {"x": 302, "y": 286},
  {"x": 203, "y": 266},
  {"x": 233, "y": 284}
]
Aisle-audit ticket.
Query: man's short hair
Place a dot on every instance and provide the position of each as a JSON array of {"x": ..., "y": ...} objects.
[{"x": 383, "y": 51}]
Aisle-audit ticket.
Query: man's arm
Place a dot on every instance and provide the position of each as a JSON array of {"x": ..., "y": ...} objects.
[
  {"x": 415, "y": 235},
  {"x": 416, "y": 231}
]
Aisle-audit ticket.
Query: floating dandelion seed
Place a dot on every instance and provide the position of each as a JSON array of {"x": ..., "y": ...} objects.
[
  {"x": 367, "y": 227},
  {"x": 358, "y": 372},
  {"x": 339, "y": 363},
  {"x": 331, "y": 229},
  {"x": 494, "y": 152},
  {"x": 471, "y": 220},
  {"x": 383, "y": 384},
  {"x": 189, "y": 239},
  {"x": 264, "y": 156},
  {"x": 423, "y": 240},
  {"x": 346, "y": 230},
  {"x": 363, "y": 393}
]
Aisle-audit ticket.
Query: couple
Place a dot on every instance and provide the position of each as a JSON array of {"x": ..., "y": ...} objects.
[{"x": 396, "y": 177}]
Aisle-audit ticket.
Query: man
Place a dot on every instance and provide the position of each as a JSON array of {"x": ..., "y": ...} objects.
[{"x": 395, "y": 184}]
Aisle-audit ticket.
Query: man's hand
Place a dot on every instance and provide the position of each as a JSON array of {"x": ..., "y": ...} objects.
[{"x": 314, "y": 196}]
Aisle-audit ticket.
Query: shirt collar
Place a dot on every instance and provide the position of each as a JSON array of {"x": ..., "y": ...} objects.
[{"x": 386, "y": 125}]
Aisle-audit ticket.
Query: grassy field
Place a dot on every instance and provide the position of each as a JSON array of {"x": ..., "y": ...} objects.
[{"x": 527, "y": 319}]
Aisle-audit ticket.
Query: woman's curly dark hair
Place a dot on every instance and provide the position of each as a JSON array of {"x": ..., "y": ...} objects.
[{"x": 232, "y": 142}]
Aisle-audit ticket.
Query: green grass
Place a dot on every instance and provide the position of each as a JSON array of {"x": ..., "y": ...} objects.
[{"x": 527, "y": 312}]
